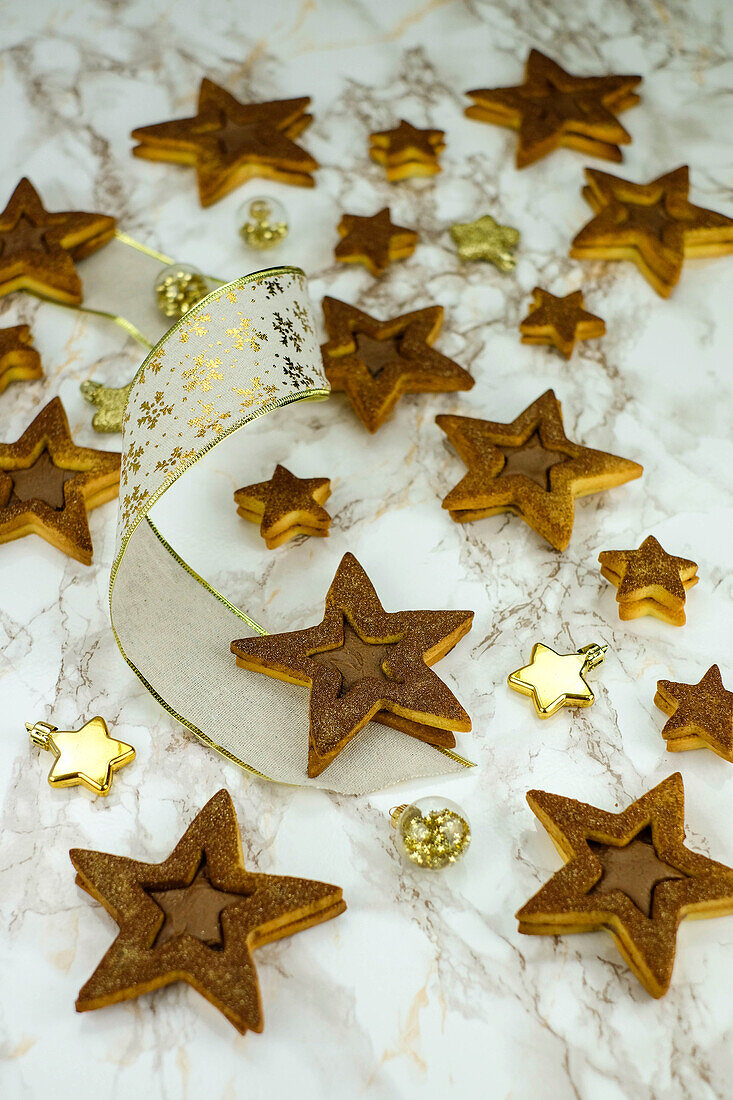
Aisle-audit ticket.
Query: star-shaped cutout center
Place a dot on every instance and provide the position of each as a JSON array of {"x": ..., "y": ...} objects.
[
  {"x": 360, "y": 660},
  {"x": 196, "y": 917},
  {"x": 375, "y": 362}
]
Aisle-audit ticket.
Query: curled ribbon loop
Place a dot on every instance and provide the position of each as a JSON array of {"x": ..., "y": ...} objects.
[{"x": 216, "y": 370}]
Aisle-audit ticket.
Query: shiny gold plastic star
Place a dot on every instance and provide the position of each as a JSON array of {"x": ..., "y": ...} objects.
[
  {"x": 486, "y": 240},
  {"x": 111, "y": 404},
  {"x": 554, "y": 680},
  {"x": 86, "y": 757}
]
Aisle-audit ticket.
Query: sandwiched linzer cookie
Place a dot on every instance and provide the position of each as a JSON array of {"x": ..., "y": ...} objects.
[
  {"x": 649, "y": 581},
  {"x": 19, "y": 360},
  {"x": 196, "y": 917},
  {"x": 406, "y": 151},
  {"x": 374, "y": 362},
  {"x": 654, "y": 225},
  {"x": 48, "y": 484},
  {"x": 629, "y": 873},
  {"x": 553, "y": 108},
  {"x": 361, "y": 661},
  {"x": 229, "y": 142},
  {"x": 286, "y": 506},
  {"x": 528, "y": 467},
  {"x": 560, "y": 321},
  {"x": 700, "y": 715},
  {"x": 38, "y": 248},
  {"x": 374, "y": 242}
]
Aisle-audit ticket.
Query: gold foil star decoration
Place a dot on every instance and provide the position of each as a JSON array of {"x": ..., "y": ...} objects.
[
  {"x": 86, "y": 757},
  {"x": 554, "y": 680},
  {"x": 485, "y": 239},
  {"x": 111, "y": 404}
]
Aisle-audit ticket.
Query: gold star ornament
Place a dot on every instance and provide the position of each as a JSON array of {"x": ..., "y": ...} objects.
[
  {"x": 87, "y": 757},
  {"x": 485, "y": 239},
  {"x": 554, "y": 680},
  {"x": 111, "y": 403}
]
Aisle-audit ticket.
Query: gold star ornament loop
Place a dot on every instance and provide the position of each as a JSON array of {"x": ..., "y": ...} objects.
[
  {"x": 554, "y": 680},
  {"x": 86, "y": 757}
]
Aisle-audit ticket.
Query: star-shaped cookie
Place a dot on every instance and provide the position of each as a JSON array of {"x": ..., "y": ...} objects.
[
  {"x": 86, "y": 757},
  {"x": 48, "y": 484},
  {"x": 553, "y": 680},
  {"x": 553, "y": 108},
  {"x": 653, "y": 225},
  {"x": 111, "y": 402},
  {"x": 649, "y": 581},
  {"x": 528, "y": 467},
  {"x": 406, "y": 151},
  {"x": 628, "y": 872},
  {"x": 375, "y": 241},
  {"x": 560, "y": 321},
  {"x": 700, "y": 715},
  {"x": 196, "y": 917},
  {"x": 361, "y": 660},
  {"x": 486, "y": 240},
  {"x": 286, "y": 506},
  {"x": 374, "y": 362},
  {"x": 19, "y": 360},
  {"x": 229, "y": 142},
  {"x": 38, "y": 248}
]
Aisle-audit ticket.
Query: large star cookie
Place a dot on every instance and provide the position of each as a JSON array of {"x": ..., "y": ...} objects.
[
  {"x": 38, "y": 248},
  {"x": 375, "y": 362},
  {"x": 629, "y": 873},
  {"x": 553, "y": 108},
  {"x": 651, "y": 224},
  {"x": 286, "y": 506},
  {"x": 361, "y": 662},
  {"x": 528, "y": 467},
  {"x": 229, "y": 142},
  {"x": 48, "y": 484},
  {"x": 700, "y": 715},
  {"x": 196, "y": 917}
]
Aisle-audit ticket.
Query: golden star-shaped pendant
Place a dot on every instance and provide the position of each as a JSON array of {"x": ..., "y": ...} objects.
[
  {"x": 229, "y": 142},
  {"x": 629, "y": 873},
  {"x": 38, "y": 248},
  {"x": 552, "y": 108},
  {"x": 700, "y": 715},
  {"x": 653, "y": 225},
  {"x": 19, "y": 360},
  {"x": 86, "y": 757},
  {"x": 554, "y": 680},
  {"x": 560, "y": 321},
  {"x": 196, "y": 917},
  {"x": 375, "y": 362},
  {"x": 111, "y": 404},
  {"x": 485, "y": 239}
]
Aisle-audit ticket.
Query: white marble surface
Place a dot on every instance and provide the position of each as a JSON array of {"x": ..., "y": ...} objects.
[{"x": 424, "y": 986}]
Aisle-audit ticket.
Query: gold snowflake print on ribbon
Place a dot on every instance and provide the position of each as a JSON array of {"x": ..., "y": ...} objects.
[{"x": 209, "y": 421}]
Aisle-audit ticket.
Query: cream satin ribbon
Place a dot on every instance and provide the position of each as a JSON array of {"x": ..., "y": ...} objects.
[{"x": 246, "y": 350}]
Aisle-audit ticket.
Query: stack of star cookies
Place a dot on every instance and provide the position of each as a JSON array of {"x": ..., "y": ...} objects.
[
  {"x": 406, "y": 151},
  {"x": 286, "y": 506},
  {"x": 649, "y": 581}
]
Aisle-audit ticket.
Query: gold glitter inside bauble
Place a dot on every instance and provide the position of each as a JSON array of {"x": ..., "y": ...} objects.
[
  {"x": 265, "y": 223},
  {"x": 433, "y": 833},
  {"x": 178, "y": 288}
]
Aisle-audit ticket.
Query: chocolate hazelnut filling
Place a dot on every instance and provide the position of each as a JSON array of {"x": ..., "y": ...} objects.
[
  {"x": 635, "y": 869},
  {"x": 194, "y": 910},
  {"x": 377, "y": 354},
  {"x": 42, "y": 481},
  {"x": 355, "y": 660},
  {"x": 532, "y": 460}
]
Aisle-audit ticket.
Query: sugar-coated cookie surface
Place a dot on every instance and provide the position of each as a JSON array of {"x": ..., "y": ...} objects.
[
  {"x": 700, "y": 715},
  {"x": 286, "y": 506},
  {"x": 373, "y": 241}
]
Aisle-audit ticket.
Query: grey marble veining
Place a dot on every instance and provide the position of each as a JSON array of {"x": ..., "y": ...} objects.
[{"x": 424, "y": 986}]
